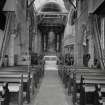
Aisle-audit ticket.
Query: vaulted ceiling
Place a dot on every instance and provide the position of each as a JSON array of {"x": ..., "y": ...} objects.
[
  {"x": 51, "y": 7},
  {"x": 51, "y": 16}
]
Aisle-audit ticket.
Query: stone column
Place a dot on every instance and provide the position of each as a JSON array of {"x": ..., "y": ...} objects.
[
  {"x": 78, "y": 55},
  {"x": 44, "y": 42},
  {"x": 103, "y": 33},
  {"x": 79, "y": 7},
  {"x": 57, "y": 42},
  {"x": 11, "y": 50},
  {"x": 24, "y": 38},
  {"x": 40, "y": 46},
  {"x": 78, "y": 47},
  {"x": 60, "y": 42},
  {"x": 91, "y": 51},
  {"x": 35, "y": 43}
]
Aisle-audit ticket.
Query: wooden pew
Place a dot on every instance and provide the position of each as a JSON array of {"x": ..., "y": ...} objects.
[
  {"x": 26, "y": 80},
  {"x": 15, "y": 84},
  {"x": 65, "y": 73},
  {"x": 80, "y": 72},
  {"x": 37, "y": 73},
  {"x": 92, "y": 85},
  {"x": 94, "y": 77},
  {"x": 60, "y": 70},
  {"x": 26, "y": 77},
  {"x": 69, "y": 72},
  {"x": 86, "y": 84},
  {"x": 33, "y": 73}
]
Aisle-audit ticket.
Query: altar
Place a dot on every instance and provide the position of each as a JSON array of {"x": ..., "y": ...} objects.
[{"x": 51, "y": 42}]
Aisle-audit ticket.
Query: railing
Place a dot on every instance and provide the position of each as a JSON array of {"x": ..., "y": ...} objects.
[{"x": 5, "y": 37}]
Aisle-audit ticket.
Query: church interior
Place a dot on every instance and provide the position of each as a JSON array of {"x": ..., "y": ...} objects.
[{"x": 52, "y": 52}]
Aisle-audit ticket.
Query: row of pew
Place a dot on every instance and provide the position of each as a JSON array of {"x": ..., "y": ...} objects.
[
  {"x": 86, "y": 85},
  {"x": 21, "y": 80}
]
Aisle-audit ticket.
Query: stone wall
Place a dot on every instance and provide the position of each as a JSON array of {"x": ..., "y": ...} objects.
[
  {"x": 82, "y": 18},
  {"x": 83, "y": 31}
]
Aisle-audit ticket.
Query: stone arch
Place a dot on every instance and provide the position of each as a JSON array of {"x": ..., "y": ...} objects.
[{"x": 51, "y": 7}]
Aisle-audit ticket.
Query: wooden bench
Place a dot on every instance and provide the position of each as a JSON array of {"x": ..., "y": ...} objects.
[
  {"x": 26, "y": 77},
  {"x": 87, "y": 83},
  {"x": 92, "y": 77},
  {"x": 32, "y": 74},
  {"x": 90, "y": 84},
  {"x": 26, "y": 80},
  {"x": 80, "y": 72},
  {"x": 37, "y": 73},
  {"x": 15, "y": 84},
  {"x": 62, "y": 72},
  {"x": 65, "y": 73}
]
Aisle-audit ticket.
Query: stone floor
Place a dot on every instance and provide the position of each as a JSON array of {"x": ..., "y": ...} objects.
[{"x": 51, "y": 91}]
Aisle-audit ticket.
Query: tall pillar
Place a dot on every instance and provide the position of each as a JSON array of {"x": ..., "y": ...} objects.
[
  {"x": 103, "y": 33},
  {"x": 11, "y": 50},
  {"x": 58, "y": 42},
  {"x": 78, "y": 47},
  {"x": 39, "y": 47},
  {"x": 79, "y": 7},
  {"x": 62, "y": 43},
  {"x": 44, "y": 42},
  {"x": 91, "y": 52},
  {"x": 78, "y": 55},
  {"x": 35, "y": 43},
  {"x": 24, "y": 38}
]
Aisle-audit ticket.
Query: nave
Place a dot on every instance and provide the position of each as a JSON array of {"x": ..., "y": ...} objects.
[
  {"x": 51, "y": 91},
  {"x": 71, "y": 31},
  {"x": 65, "y": 86}
]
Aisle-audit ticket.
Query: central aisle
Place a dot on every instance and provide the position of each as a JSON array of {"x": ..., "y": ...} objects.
[{"x": 51, "y": 91}]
